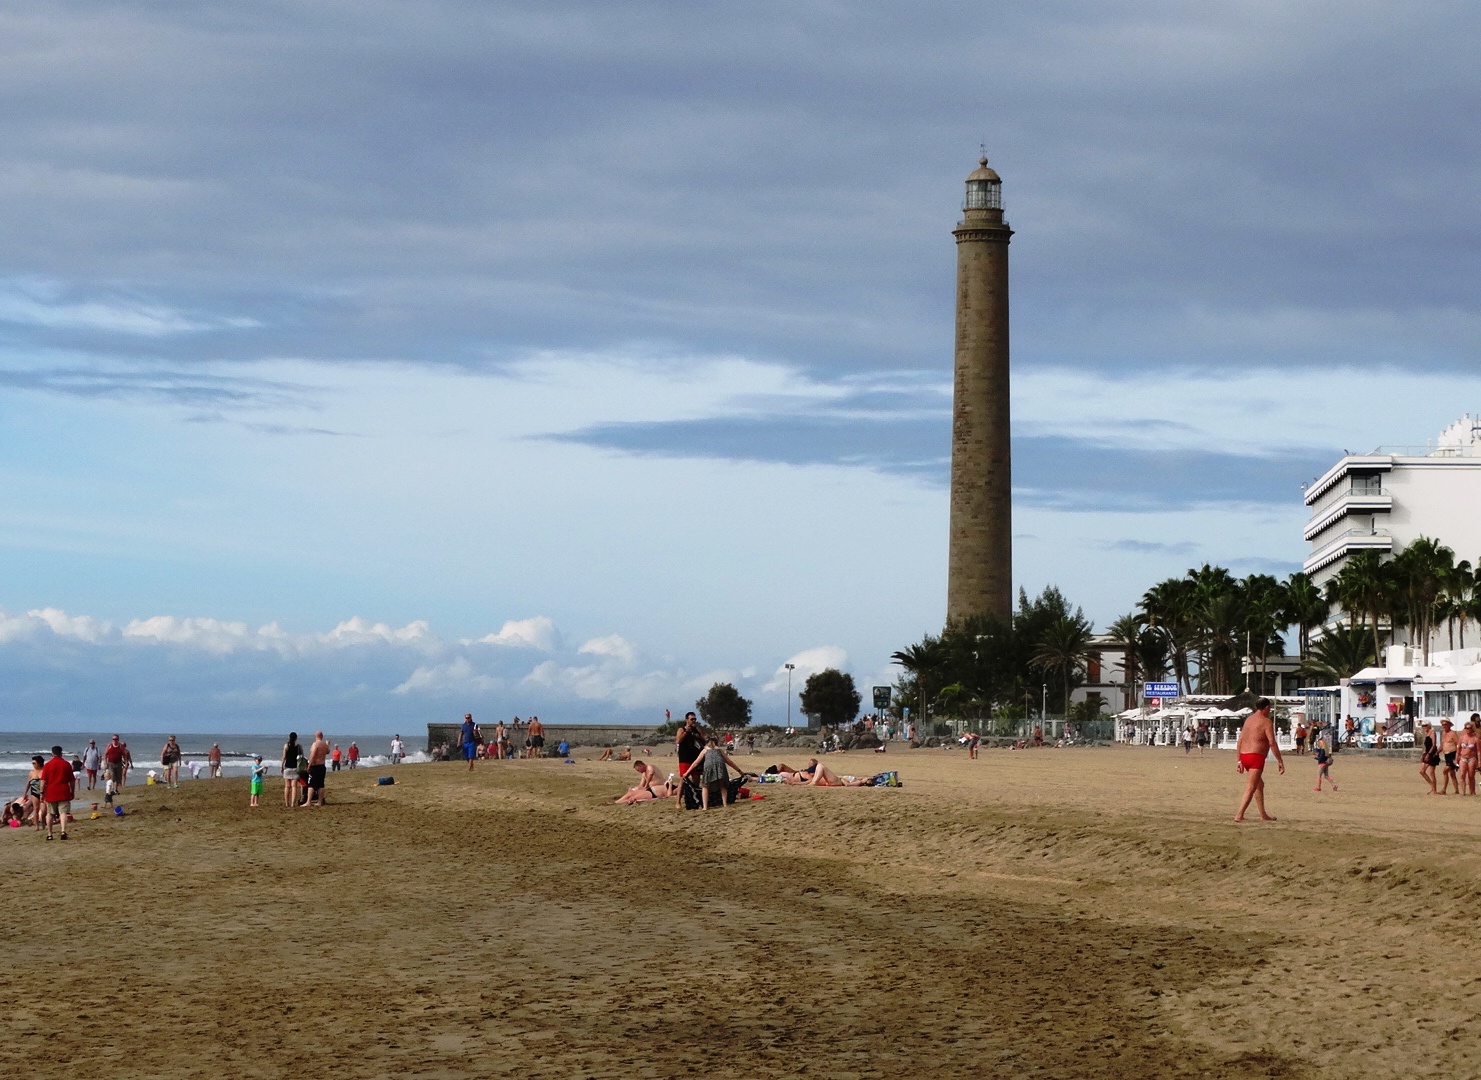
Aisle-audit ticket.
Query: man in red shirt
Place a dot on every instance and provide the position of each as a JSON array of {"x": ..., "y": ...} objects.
[
  {"x": 113, "y": 758},
  {"x": 58, "y": 785}
]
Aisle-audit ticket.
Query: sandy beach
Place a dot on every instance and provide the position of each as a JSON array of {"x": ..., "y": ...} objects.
[{"x": 1055, "y": 913}]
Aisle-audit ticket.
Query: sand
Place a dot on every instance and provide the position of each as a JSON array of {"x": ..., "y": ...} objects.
[{"x": 1053, "y": 913}]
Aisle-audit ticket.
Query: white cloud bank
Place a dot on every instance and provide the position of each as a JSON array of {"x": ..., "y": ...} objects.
[{"x": 226, "y": 675}]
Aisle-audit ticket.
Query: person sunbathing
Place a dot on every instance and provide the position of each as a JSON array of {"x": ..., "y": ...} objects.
[
  {"x": 825, "y": 777},
  {"x": 626, "y": 755},
  {"x": 606, "y": 755},
  {"x": 650, "y": 786},
  {"x": 790, "y": 775}
]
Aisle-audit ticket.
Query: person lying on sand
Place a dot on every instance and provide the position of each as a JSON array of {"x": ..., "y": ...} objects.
[
  {"x": 825, "y": 777},
  {"x": 790, "y": 775},
  {"x": 606, "y": 755},
  {"x": 651, "y": 786}
]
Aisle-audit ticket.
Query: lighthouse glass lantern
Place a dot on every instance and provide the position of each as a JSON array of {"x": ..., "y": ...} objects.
[{"x": 984, "y": 189}]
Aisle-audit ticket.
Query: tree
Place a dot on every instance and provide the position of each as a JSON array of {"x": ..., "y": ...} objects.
[
  {"x": 1306, "y": 607},
  {"x": 1062, "y": 650},
  {"x": 829, "y": 698},
  {"x": 927, "y": 663},
  {"x": 1339, "y": 653},
  {"x": 723, "y": 707}
]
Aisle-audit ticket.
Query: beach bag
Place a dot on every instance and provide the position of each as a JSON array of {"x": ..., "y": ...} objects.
[
  {"x": 887, "y": 779},
  {"x": 384, "y": 781}
]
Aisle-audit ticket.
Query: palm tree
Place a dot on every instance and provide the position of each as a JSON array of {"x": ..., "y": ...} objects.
[
  {"x": 1339, "y": 653},
  {"x": 1063, "y": 649},
  {"x": 1126, "y": 634},
  {"x": 1364, "y": 588},
  {"x": 927, "y": 662},
  {"x": 1265, "y": 603},
  {"x": 1423, "y": 568},
  {"x": 1168, "y": 607},
  {"x": 1305, "y": 608}
]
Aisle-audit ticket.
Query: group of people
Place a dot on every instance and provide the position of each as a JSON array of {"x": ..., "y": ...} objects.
[
  {"x": 303, "y": 772},
  {"x": 503, "y": 744},
  {"x": 1455, "y": 754},
  {"x": 47, "y": 803},
  {"x": 705, "y": 763}
]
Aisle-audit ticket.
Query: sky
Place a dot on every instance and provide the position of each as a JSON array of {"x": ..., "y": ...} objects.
[{"x": 371, "y": 363}]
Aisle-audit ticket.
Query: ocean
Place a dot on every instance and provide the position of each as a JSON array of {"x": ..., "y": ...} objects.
[{"x": 17, "y": 748}]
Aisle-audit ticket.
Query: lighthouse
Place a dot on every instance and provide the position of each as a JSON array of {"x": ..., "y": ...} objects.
[{"x": 980, "y": 561}]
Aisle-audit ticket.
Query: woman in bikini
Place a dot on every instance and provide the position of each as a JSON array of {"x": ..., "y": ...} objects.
[
  {"x": 650, "y": 786},
  {"x": 1470, "y": 751},
  {"x": 169, "y": 757}
]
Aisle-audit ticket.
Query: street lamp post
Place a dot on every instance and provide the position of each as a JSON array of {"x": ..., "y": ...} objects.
[{"x": 789, "y": 668}]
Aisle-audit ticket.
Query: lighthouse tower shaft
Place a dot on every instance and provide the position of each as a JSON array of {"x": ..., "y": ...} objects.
[{"x": 980, "y": 564}]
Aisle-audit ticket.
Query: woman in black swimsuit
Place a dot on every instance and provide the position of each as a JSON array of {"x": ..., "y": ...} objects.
[{"x": 1428, "y": 759}]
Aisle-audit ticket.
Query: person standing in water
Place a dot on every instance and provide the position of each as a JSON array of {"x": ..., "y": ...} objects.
[{"x": 1256, "y": 741}]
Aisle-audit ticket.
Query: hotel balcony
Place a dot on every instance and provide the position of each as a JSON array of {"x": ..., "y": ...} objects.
[
  {"x": 1346, "y": 542},
  {"x": 1351, "y": 502}
]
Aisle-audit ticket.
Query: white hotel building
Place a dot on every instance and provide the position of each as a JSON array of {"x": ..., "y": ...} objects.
[{"x": 1385, "y": 500}]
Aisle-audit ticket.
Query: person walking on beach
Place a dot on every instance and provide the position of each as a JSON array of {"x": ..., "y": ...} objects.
[
  {"x": 1323, "y": 764},
  {"x": 292, "y": 751},
  {"x": 398, "y": 749},
  {"x": 537, "y": 737},
  {"x": 1256, "y": 741},
  {"x": 169, "y": 757},
  {"x": 334, "y": 759},
  {"x": 1429, "y": 759},
  {"x": 58, "y": 786},
  {"x": 213, "y": 759},
  {"x": 113, "y": 759},
  {"x": 259, "y": 771},
  {"x": 1469, "y": 752},
  {"x": 128, "y": 765},
  {"x": 468, "y": 739},
  {"x": 1449, "y": 747},
  {"x": 90, "y": 761},
  {"x": 354, "y": 755}
]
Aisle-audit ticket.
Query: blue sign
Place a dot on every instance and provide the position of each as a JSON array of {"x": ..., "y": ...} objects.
[{"x": 1161, "y": 690}]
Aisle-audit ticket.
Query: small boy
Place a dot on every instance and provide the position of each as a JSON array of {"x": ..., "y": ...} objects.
[
  {"x": 259, "y": 770},
  {"x": 1323, "y": 765}
]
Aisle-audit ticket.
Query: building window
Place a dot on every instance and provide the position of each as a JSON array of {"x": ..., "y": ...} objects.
[{"x": 1367, "y": 485}]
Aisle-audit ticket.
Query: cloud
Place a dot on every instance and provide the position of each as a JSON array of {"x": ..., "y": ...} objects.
[
  {"x": 1151, "y": 547},
  {"x": 536, "y": 633},
  {"x": 454, "y": 678},
  {"x": 808, "y": 662},
  {"x": 612, "y": 647},
  {"x": 43, "y": 304}
]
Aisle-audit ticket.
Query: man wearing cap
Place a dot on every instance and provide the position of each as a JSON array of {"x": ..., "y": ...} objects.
[
  {"x": 1256, "y": 740},
  {"x": 1449, "y": 746},
  {"x": 468, "y": 736},
  {"x": 58, "y": 785}
]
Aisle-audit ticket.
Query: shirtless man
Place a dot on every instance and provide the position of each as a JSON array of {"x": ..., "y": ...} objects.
[
  {"x": 650, "y": 786},
  {"x": 318, "y": 755},
  {"x": 1449, "y": 747},
  {"x": 1256, "y": 740},
  {"x": 537, "y": 738}
]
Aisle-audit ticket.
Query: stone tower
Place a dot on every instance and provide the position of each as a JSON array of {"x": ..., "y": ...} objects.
[{"x": 980, "y": 564}]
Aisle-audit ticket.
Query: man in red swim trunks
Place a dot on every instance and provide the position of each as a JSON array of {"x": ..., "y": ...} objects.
[{"x": 1257, "y": 739}]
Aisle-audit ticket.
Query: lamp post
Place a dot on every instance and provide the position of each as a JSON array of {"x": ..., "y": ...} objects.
[{"x": 789, "y": 668}]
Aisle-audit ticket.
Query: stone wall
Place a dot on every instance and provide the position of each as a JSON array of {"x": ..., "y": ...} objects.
[{"x": 575, "y": 734}]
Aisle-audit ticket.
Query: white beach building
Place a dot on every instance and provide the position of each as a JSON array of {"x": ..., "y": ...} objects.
[{"x": 1386, "y": 499}]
